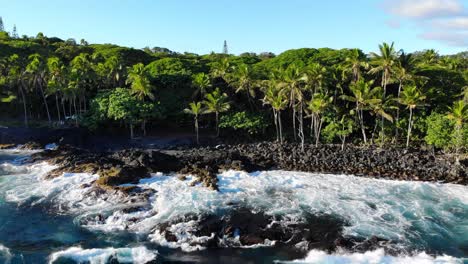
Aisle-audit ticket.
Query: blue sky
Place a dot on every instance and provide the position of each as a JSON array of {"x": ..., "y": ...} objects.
[{"x": 201, "y": 26}]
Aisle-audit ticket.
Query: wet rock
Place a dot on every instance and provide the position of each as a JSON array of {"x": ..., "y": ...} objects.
[
  {"x": 120, "y": 175},
  {"x": 7, "y": 146},
  {"x": 31, "y": 145}
]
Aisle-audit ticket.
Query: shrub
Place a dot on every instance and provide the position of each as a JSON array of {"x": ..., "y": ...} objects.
[{"x": 252, "y": 124}]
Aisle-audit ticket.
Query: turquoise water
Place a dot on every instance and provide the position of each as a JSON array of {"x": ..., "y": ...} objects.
[{"x": 40, "y": 221}]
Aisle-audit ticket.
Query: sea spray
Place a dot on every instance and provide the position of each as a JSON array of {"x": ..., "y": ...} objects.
[
  {"x": 416, "y": 216},
  {"x": 376, "y": 256},
  {"x": 136, "y": 255},
  {"x": 5, "y": 254}
]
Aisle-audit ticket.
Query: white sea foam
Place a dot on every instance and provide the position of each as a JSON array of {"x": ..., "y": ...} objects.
[
  {"x": 5, "y": 254},
  {"x": 51, "y": 146},
  {"x": 408, "y": 213},
  {"x": 136, "y": 255},
  {"x": 373, "y": 257}
]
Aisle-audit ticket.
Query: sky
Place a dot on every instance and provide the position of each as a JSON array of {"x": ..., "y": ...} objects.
[{"x": 201, "y": 26}]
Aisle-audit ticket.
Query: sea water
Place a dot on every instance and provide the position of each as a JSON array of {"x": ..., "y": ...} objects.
[{"x": 41, "y": 220}]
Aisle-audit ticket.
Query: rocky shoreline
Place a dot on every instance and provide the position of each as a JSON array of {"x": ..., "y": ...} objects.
[
  {"x": 130, "y": 165},
  {"x": 118, "y": 170}
]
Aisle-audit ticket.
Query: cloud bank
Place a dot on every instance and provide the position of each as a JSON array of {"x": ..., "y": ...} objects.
[{"x": 445, "y": 21}]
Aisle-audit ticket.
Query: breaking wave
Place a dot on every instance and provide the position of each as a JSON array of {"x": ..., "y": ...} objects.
[{"x": 136, "y": 255}]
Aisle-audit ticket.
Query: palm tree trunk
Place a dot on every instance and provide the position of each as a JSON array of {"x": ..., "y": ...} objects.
[
  {"x": 397, "y": 113},
  {"x": 45, "y": 101},
  {"x": 131, "y": 130},
  {"x": 319, "y": 129},
  {"x": 361, "y": 121},
  {"x": 294, "y": 122},
  {"x": 217, "y": 124},
  {"x": 24, "y": 105},
  {"x": 63, "y": 109},
  {"x": 312, "y": 127},
  {"x": 409, "y": 127},
  {"x": 58, "y": 107},
  {"x": 275, "y": 118},
  {"x": 143, "y": 127},
  {"x": 301, "y": 126},
  {"x": 196, "y": 130},
  {"x": 343, "y": 141},
  {"x": 383, "y": 99},
  {"x": 76, "y": 113},
  {"x": 280, "y": 127}
]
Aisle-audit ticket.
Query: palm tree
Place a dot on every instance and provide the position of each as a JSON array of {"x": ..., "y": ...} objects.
[
  {"x": 202, "y": 83},
  {"x": 459, "y": 114},
  {"x": 412, "y": 98},
  {"x": 278, "y": 100},
  {"x": 315, "y": 76},
  {"x": 216, "y": 102},
  {"x": 16, "y": 76},
  {"x": 81, "y": 77},
  {"x": 294, "y": 81},
  {"x": 140, "y": 86},
  {"x": 37, "y": 70},
  {"x": 429, "y": 57},
  {"x": 365, "y": 98},
  {"x": 244, "y": 81},
  {"x": 384, "y": 63},
  {"x": 379, "y": 109},
  {"x": 403, "y": 74},
  {"x": 114, "y": 71},
  {"x": 195, "y": 109},
  {"x": 317, "y": 107},
  {"x": 354, "y": 63},
  {"x": 221, "y": 69},
  {"x": 56, "y": 80}
]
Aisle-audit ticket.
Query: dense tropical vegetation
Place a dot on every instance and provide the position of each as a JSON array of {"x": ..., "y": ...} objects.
[{"x": 306, "y": 95}]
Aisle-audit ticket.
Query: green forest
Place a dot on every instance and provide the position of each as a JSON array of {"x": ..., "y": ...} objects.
[{"x": 387, "y": 97}]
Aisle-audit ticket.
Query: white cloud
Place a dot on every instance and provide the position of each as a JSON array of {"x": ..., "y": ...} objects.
[
  {"x": 445, "y": 21},
  {"x": 423, "y": 8},
  {"x": 460, "y": 23},
  {"x": 459, "y": 39}
]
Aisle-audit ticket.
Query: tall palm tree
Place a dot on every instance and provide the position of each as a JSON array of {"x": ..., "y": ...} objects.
[
  {"x": 81, "y": 81},
  {"x": 458, "y": 113},
  {"x": 140, "y": 86},
  {"x": 37, "y": 71},
  {"x": 202, "y": 83},
  {"x": 56, "y": 80},
  {"x": 317, "y": 107},
  {"x": 429, "y": 57},
  {"x": 403, "y": 73},
  {"x": 294, "y": 81},
  {"x": 216, "y": 102},
  {"x": 16, "y": 76},
  {"x": 411, "y": 97},
  {"x": 196, "y": 109},
  {"x": 221, "y": 69},
  {"x": 380, "y": 109},
  {"x": 114, "y": 70},
  {"x": 384, "y": 63},
  {"x": 365, "y": 98},
  {"x": 243, "y": 80},
  {"x": 315, "y": 77},
  {"x": 138, "y": 80},
  {"x": 276, "y": 97},
  {"x": 354, "y": 64}
]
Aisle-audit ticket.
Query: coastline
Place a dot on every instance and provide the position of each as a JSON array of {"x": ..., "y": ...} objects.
[{"x": 80, "y": 151}]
